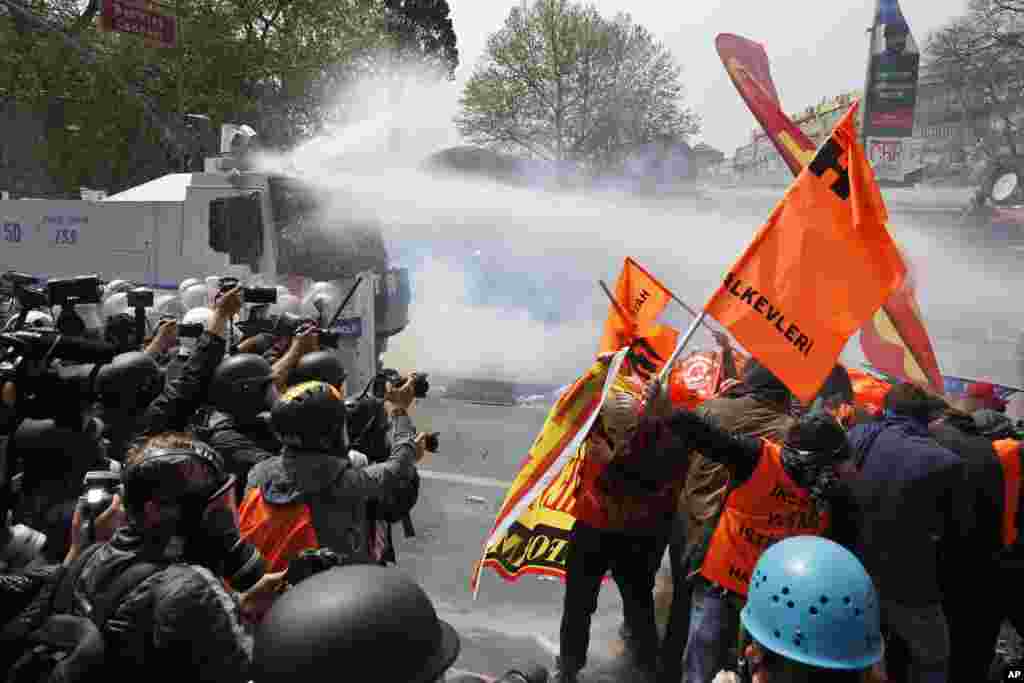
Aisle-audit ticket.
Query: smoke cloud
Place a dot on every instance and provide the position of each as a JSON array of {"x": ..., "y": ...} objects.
[{"x": 505, "y": 278}]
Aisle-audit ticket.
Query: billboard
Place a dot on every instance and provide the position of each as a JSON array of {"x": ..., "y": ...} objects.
[
  {"x": 140, "y": 18},
  {"x": 891, "y": 91}
]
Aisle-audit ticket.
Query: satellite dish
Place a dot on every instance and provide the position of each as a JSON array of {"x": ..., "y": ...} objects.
[{"x": 1005, "y": 187}]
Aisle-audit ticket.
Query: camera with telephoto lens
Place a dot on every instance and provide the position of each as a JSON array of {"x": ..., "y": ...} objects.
[
  {"x": 287, "y": 325},
  {"x": 84, "y": 289},
  {"x": 46, "y": 390},
  {"x": 190, "y": 330},
  {"x": 390, "y": 376},
  {"x": 250, "y": 295},
  {"x": 311, "y": 562}
]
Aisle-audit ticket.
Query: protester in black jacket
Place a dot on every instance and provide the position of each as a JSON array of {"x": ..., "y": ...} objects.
[
  {"x": 905, "y": 492},
  {"x": 969, "y": 558}
]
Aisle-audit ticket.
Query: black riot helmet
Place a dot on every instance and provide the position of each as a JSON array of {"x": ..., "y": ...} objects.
[
  {"x": 357, "y": 617},
  {"x": 242, "y": 386},
  {"x": 129, "y": 383},
  {"x": 311, "y": 416},
  {"x": 320, "y": 366}
]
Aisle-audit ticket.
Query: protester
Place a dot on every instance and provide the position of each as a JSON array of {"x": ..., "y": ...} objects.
[
  {"x": 756, "y": 407},
  {"x": 969, "y": 553},
  {"x": 906, "y": 504},
  {"x": 624, "y": 532},
  {"x": 829, "y": 630}
]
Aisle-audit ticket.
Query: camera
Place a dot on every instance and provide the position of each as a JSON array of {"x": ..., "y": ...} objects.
[
  {"x": 250, "y": 295},
  {"x": 140, "y": 298},
  {"x": 311, "y": 562},
  {"x": 432, "y": 442},
  {"x": 100, "y": 487},
  {"x": 44, "y": 389},
  {"x": 287, "y": 325},
  {"x": 420, "y": 384},
  {"x": 190, "y": 330},
  {"x": 84, "y": 289}
]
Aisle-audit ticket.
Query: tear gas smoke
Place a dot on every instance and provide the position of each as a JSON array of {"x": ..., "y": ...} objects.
[{"x": 465, "y": 238}]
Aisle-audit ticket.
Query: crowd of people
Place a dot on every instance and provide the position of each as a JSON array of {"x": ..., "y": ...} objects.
[
  {"x": 903, "y": 504},
  {"x": 160, "y": 499},
  {"x": 216, "y": 506}
]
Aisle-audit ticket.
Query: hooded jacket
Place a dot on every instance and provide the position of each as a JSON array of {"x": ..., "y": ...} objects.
[
  {"x": 982, "y": 491},
  {"x": 336, "y": 491},
  {"x": 905, "y": 501}
]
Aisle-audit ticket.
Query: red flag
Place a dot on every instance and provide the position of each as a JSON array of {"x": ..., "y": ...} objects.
[
  {"x": 818, "y": 269},
  {"x": 639, "y": 300}
]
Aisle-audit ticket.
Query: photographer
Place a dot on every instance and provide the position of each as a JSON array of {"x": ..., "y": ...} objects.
[
  {"x": 243, "y": 389},
  {"x": 176, "y": 617},
  {"x": 129, "y": 415},
  {"x": 308, "y": 496},
  {"x": 369, "y": 432}
]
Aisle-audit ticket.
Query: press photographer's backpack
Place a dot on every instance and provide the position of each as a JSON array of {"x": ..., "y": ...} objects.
[{"x": 67, "y": 648}]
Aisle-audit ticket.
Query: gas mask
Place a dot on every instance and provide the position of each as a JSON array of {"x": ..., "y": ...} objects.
[
  {"x": 620, "y": 416},
  {"x": 208, "y": 519}
]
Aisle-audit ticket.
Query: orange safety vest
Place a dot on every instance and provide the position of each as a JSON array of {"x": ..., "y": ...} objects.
[
  {"x": 280, "y": 532},
  {"x": 1008, "y": 452},
  {"x": 767, "y": 508}
]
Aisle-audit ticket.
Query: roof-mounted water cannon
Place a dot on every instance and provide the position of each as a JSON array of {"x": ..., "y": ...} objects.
[{"x": 236, "y": 147}]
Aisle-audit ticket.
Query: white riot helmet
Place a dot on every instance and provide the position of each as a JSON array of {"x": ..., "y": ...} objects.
[
  {"x": 90, "y": 314},
  {"x": 116, "y": 287},
  {"x": 188, "y": 282},
  {"x": 196, "y": 296},
  {"x": 620, "y": 415},
  {"x": 201, "y": 315},
  {"x": 33, "y": 319},
  {"x": 164, "y": 306},
  {"x": 116, "y": 304}
]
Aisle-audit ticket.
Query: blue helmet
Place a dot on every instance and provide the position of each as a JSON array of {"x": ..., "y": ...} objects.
[{"x": 811, "y": 601}]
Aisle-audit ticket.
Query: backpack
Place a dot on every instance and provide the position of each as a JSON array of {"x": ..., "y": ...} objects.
[{"x": 68, "y": 648}]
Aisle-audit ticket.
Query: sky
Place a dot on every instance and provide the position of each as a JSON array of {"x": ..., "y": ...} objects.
[{"x": 817, "y": 49}]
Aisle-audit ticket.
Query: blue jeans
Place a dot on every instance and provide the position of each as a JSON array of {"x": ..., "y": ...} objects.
[{"x": 714, "y": 633}]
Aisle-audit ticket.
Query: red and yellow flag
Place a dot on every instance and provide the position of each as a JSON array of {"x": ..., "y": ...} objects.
[
  {"x": 818, "y": 269},
  {"x": 895, "y": 339}
]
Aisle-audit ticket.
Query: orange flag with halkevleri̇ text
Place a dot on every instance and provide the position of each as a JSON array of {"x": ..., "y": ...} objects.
[
  {"x": 642, "y": 299},
  {"x": 816, "y": 271}
]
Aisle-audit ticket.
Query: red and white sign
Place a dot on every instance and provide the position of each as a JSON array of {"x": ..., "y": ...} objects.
[{"x": 142, "y": 19}]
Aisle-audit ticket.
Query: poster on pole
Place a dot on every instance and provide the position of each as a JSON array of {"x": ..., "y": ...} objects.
[
  {"x": 142, "y": 19},
  {"x": 891, "y": 92}
]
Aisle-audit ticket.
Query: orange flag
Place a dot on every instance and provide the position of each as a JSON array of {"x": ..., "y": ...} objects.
[
  {"x": 641, "y": 299},
  {"x": 818, "y": 269}
]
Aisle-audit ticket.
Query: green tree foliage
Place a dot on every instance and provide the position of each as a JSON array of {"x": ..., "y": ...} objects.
[
  {"x": 278, "y": 65},
  {"x": 424, "y": 33},
  {"x": 561, "y": 82}
]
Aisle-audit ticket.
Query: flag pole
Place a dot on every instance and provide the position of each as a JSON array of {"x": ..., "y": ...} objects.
[
  {"x": 615, "y": 303},
  {"x": 680, "y": 346}
]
